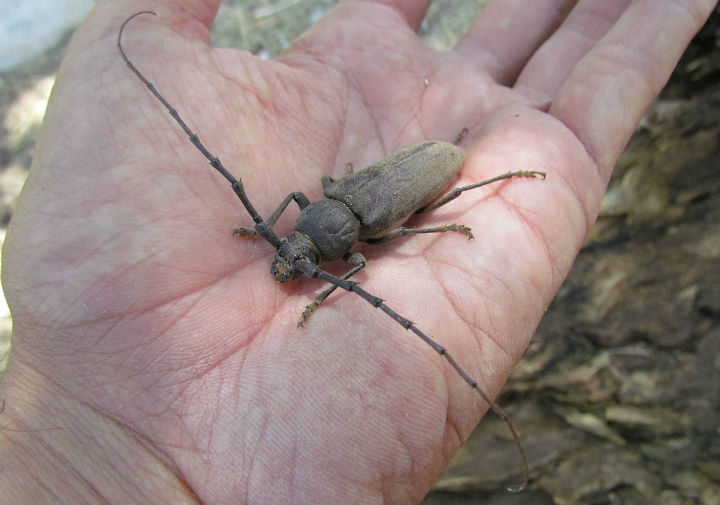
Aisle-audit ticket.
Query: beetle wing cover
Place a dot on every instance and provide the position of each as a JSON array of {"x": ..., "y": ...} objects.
[{"x": 384, "y": 194}]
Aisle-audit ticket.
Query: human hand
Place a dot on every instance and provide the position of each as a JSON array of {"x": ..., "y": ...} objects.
[{"x": 155, "y": 357}]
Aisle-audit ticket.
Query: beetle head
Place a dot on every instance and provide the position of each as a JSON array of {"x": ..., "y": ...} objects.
[{"x": 293, "y": 248}]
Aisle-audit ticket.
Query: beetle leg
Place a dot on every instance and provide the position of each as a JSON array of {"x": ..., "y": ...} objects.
[
  {"x": 460, "y": 137},
  {"x": 402, "y": 231},
  {"x": 357, "y": 261},
  {"x": 454, "y": 193},
  {"x": 299, "y": 198}
]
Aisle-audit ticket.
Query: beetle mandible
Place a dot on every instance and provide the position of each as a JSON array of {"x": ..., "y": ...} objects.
[{"x": 369, "y": 205}]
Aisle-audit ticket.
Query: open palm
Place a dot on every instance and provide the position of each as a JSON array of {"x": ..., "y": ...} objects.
[{"x": 139, "y": 318}]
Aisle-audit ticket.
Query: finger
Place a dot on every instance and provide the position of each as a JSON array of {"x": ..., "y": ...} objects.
[
  {"x": 608, "y": 91},
  {"x": 192, "y": 18},
  {"x": 413, "y": 11},
  {"x": 200, "y": 10},
  {"x": 552, "y": 63},
  {"x": 507, "y": 32}
]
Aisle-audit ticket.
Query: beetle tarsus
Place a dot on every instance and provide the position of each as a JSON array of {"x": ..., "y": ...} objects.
[{"x": 245, "y": 233}]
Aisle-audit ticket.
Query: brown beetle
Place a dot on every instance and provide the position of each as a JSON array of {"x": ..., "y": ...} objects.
[{"x": 369, "y": 205}]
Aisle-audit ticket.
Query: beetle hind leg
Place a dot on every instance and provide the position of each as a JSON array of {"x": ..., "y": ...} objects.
[
  {"x": 454, "y": 193},
  {"x": 402, "y": 231},
  {"x": 357, "y": 261}
]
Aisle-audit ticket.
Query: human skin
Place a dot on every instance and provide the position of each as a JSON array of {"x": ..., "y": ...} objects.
[{"x": 155, "y": 359}]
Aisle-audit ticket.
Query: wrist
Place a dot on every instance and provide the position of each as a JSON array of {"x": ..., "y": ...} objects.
[{"x": 54, "y": 448}]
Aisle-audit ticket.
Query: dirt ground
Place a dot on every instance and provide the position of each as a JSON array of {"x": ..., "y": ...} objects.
[{"x": 618, "y": 398}]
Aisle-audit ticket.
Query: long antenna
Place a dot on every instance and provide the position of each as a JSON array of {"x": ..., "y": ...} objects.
[
  {"x": 214, "y": 161},
  {"x": 313, "y": 271}
]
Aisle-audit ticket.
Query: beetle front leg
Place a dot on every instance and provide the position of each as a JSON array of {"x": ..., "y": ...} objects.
[
  {"x": 299, "y": 198},
  {"x": 357, "y": 261}
]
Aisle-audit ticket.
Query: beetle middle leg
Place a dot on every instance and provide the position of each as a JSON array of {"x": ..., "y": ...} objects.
[{"x": 357, "y": 261}]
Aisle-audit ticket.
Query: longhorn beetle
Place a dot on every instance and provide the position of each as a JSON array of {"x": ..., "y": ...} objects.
[{"x": 369, "y": 205}]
